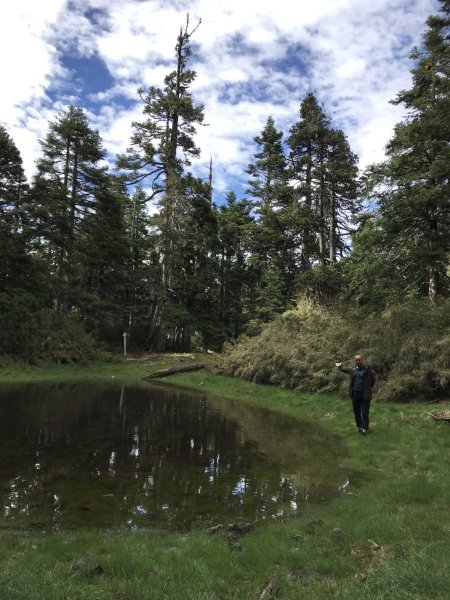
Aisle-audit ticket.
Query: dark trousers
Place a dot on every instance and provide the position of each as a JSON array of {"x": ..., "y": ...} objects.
[{"x": 361, "y": 409}]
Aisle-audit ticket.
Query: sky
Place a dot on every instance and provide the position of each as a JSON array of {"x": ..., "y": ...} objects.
[{"x": 253, "y": 58}]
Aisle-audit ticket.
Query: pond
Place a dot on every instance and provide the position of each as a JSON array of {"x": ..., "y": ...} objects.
[{"x": 130, "y": 457}]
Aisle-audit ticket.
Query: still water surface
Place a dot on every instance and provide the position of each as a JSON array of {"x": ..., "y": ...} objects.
[{"x": 130, "y": 457}]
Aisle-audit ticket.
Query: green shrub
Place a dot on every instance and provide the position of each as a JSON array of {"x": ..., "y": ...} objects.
[
  {"x": 411, "y": 350},
  {"x": 30, "y": 334},
  {"x": 407, "y": 346},
  {"x": 63, "y": 341}
]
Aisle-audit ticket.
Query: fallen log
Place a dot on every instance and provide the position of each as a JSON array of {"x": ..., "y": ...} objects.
[
  {"x": 174, "y": 370},
  {"x": 444, "y": 416}
]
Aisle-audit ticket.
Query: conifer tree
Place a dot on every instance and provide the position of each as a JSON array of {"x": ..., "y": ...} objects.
[
  {"x": 100, "y": 262},
  {"x": 64, "y": 192},
  {"x": 21, "y": 278},
  {"x": 13, "y": 185},
  {"x": 308, "y": 143},
  {"x": 140, "y": 268},
  {"x": 162, "y": 146},
  {"x": 268, "y": 172},
  {"x": 197, "y": 287},
  {"x": 343, "y": 196},
  {"x": 413, "y": 185},
  {"x": 325, "y": 171},
  {"x": 273, "y": 249},
  {"x": 235, "y": 223},
  {"x": 13, "y": 215}
]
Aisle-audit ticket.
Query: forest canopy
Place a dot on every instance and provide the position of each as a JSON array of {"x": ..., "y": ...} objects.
[{"x": 82, "y": 261}]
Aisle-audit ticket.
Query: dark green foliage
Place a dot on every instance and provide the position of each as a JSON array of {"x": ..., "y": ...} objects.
[
  {"x": 325, "y": 171},
  {"x": 273, "y": 246},
  {"x": 65, "y": 192},
  {"x": 371, "y": 281},
  {"x": 141, "y": 270},
  {"x": 412, "y": 188},
  {"x": 33, "y": 335},
  {"x": 235, "y": 227},
  {"x": 100, "y": 263},
  {"x": 269, "y": 175},
  {"x": 322, "y": 283},
  {"x": 19, "y": 322},
  {"x": 63, "y": 341},
  {"x": 18, "y": 270},
  {"x": 198, "y": 289}
]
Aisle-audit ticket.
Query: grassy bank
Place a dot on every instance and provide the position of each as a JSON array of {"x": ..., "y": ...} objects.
[{"x": 386, "y": 538}]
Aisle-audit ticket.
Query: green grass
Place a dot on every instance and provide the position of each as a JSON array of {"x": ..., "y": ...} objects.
[
  {"x": 386, "y": 537},
  {"x": 124, "y": 369}
]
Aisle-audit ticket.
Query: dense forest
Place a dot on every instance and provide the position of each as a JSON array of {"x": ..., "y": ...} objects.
[{"x": 82, "y": 261}]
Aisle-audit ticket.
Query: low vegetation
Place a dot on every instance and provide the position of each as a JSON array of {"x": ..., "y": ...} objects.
[
  {"x": 38, "y": 337},
  {"x": 408, "y": 347},
  {"x": 385, "y": 535}
]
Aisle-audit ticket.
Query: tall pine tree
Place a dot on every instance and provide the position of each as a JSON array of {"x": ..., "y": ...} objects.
[
  {"x": 161, "y": 147},
  {"x": 414, "y": 183},
  {"x": 64, "y": 192},
  {"x": 273, "y": 249}
]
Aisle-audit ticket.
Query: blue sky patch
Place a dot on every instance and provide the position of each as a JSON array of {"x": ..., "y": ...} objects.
[{"x": 90, "y": 74}]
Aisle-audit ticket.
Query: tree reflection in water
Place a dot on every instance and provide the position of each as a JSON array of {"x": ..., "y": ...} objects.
[{"x": 90, "y": 455}]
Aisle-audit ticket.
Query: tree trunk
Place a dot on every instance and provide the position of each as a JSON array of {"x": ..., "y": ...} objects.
[
  {"x": 432, "y": 285},
  {"x": 332, "y": 233}
]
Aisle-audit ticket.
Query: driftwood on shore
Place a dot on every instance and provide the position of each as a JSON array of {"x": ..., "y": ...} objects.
[
  {"x": 444, "y": 416},
  {"x": 174, "y": 370}
]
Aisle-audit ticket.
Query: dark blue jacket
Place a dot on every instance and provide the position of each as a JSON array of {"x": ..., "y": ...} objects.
[{"x": 368, "y": 380}]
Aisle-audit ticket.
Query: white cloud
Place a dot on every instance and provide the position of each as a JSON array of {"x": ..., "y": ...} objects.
[
  {"x": 252, "y": 60},
  {"x": 27, "y": 68},
  {"x": 350, "y": 68}
]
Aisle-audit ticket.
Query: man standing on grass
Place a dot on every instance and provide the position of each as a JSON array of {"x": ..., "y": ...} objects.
[{"x": 362, "y": 380}]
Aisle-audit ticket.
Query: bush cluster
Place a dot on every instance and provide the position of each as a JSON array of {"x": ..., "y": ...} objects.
[
  {"x": 33, "y": 335},
  {"x": 63, "y": 341},
  {"x": 408, "y": 347}
]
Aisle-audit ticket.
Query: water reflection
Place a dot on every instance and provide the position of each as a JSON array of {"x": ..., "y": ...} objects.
[{"x": 79, "y": 455}]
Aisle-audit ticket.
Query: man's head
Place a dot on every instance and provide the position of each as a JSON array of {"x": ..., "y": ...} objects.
[{"x": 358, "y": 359}]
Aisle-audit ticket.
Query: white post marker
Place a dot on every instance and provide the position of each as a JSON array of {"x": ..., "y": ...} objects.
[{"x": 125, "y": 342}]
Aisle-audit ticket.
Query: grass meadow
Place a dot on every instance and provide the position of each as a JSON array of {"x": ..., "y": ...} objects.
[{"x": 385, "y": 537}]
